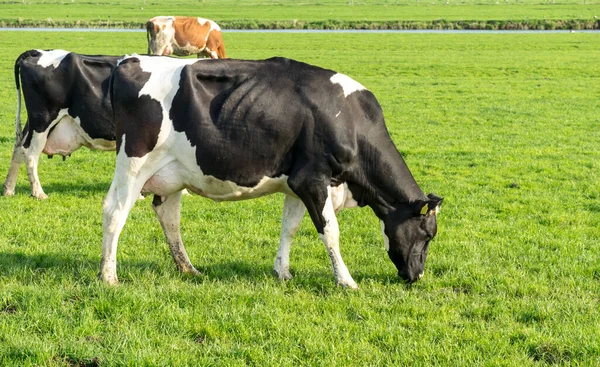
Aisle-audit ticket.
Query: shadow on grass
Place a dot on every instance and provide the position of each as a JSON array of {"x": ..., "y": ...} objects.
[
  {"x": 381, "y": 277},
  {"x": 30, "y": 266},
  {"x": 316, "y": 280},
  {"x": 67, "y": 188},
  {"x": 100, "y": 186},
  {"x": 231, "y": 270},
  {"x": 20, "y": 264}
]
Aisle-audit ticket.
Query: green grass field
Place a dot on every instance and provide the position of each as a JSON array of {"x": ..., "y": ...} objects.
[
  {"x": 230, "y": 12},
  {"x": 505, "y": 127}
]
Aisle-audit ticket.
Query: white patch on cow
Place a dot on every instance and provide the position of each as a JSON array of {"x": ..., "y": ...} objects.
[
  {"x": 386, "y": 240},
  {"x": 341, "y": 197},
  {"x": 348, "y": 84},
  {"x": 219, "y": 190},
  {"x": 214, "y": 26},
  {"x": 163, "y": 84},
  {"x": 52, "y": 57}
]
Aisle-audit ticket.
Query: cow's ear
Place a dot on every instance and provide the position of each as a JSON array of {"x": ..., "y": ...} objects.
[
  {"x": 421, "y": 207},
  {"x": 434, "y": 204},
  {"x": 431, "y": 206}
]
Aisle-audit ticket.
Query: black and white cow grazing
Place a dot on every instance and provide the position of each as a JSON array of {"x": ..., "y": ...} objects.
[
  {"x": 68, "y": 106},
  {"x": 235, "y": 130}
]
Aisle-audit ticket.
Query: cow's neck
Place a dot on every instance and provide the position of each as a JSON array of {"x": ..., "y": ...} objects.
[{"x": 383, "y": 182}]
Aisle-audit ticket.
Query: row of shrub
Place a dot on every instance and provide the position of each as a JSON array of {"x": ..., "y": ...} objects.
[{"x": 440, "y": 24}]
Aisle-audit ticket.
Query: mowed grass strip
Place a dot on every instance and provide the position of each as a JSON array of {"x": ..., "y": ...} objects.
[{"x": 505, "y": 127}]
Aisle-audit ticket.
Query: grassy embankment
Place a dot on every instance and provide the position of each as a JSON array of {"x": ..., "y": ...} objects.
[
  {"x": 324, "y": 14},
  {"x": 505, "y": 127}
]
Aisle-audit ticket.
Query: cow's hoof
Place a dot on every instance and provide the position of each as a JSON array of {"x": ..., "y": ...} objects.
[
  {"x": 41, "y": 196},
  {"x": 8, "y": 193},
  {"x": 190, "y": 271},
  {"x": 111, "y": 280},
  {"x": 283, "y": 274},
  {"x": 349, "y": 284}
]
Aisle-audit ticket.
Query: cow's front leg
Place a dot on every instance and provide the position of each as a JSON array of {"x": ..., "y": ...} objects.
[
  {"x": 331, "y": 239},
  {"x": 168, "y": 211},
  {"x": 293, "y": 211},
  {"x": 116, "y": 206},
  {"x": 317, "y": 199},
  {"x": 13, "y": 171},
  {"x": 32, "y": 156}
]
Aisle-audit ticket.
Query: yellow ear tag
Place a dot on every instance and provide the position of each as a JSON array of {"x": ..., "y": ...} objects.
[{"x": 424, "y": 209}]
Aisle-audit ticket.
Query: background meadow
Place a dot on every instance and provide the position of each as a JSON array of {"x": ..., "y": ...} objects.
[{"x": 504, "y": 126}]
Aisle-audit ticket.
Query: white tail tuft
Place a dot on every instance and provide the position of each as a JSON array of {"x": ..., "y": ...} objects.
[{"x": 18, "y": 129}]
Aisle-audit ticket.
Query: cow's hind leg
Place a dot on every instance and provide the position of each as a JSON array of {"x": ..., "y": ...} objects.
[
  {"x": 293, "y": 211},
  {"x": 13, "y": 171},
  {"x": 168, "y": 211},
  {"x": 32, "y": 156},
  {"x": 318, "y": 202}
]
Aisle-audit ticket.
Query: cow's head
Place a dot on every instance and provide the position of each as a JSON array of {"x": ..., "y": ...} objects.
[
  {"x": 407, "y": 232},
  {"x": 159, "y": 37}
]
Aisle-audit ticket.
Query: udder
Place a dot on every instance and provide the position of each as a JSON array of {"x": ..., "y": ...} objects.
[
  {"x": 64, "y": 139},
  {"x": 166, "y": 180}
]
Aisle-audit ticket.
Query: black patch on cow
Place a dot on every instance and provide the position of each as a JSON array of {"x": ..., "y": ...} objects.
[
  {"x": 254, "y": 119},
  {"x": 79, "y": 83},
  {"x": 138, "y": 119}
]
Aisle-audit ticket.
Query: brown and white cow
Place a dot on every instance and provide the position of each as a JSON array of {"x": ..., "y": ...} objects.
[
  {"x": 184, "y": 36},
  {"x": 235, "y": 130}
]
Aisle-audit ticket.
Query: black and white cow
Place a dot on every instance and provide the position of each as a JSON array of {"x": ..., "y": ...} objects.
[
  {"x": 68, "y": 106},
  {"x": 235, "y": 130}
]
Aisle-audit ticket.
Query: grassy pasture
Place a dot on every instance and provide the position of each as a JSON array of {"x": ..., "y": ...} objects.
[
  {"x": 287, "y": 10},
  {"x": 505, "y": 127}
]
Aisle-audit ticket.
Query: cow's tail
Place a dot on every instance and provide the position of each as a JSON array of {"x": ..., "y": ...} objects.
[
  {"x": 111, "y": 93},
  {"x": 23, "y": 56}
]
